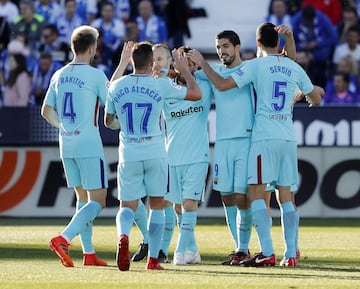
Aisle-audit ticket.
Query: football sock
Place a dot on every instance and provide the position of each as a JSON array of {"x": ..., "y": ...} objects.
[
  {"x": 297, "y": 223},
  {"x": 231, "y": 217},
  {"x": 288, "y": 225},
  {"x": 80, "y": 220},
  {"x": 186, "y": 231},
  {"x": 124, "y": 221},
  {"x": 156, "y": 229},
  {"x": 170, "y": 220},
  {"x": 245, "y": 229},
  {"x": 141, "y": 220},
  {"x": 261, "y": 222},
  {"x": 192, "y": 245},
  {"x": 86, "y": 234}
]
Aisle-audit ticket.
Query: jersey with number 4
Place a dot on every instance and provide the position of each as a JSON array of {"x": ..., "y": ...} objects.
[
  {"x": 76, "y": 91},
  {"x": 137, "y": 100},
  {"x": 276, "y": 78}
]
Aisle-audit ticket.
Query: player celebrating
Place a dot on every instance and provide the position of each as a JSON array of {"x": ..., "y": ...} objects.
[
  {"x": 163, "y": 59},
  {"x": 137, "y": 100},
  {"x": 186, "y": 127},
  {"x": 72, "y": 104},
  {"x": 232, "y": 144},
  {"x": 273, "y": 155}
]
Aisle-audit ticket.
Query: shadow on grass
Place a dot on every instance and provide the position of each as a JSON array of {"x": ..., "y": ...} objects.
[
  {"x": 318, "y": 268},
  {"x": 17, "y": 252},
  {"x": 272, "y": 272},
  {"x": 306, "y": 269}
]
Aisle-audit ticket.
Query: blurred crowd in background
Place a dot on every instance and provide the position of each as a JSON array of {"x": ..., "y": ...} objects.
[{"x": 35, "y": 39}]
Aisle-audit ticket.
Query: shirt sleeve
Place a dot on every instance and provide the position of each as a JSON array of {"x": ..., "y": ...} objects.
[
  {"x": 172, "y": 90},
  {"x": 103, "y": 87},
  {"x": 244, "y": 75},
  {"x": 109, "y": 105},
  {"x": 200, "y": 74},
  {"x": 50, "y": 98},
  {"x": 305, "y": 84}
]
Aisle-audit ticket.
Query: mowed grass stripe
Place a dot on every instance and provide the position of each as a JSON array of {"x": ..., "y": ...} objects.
[{"x": 330, "y": 258}]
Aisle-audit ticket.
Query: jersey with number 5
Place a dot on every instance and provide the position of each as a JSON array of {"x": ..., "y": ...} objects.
[
  {"x": 76, "y": 91},
  {"x": 276, "y": 78}
]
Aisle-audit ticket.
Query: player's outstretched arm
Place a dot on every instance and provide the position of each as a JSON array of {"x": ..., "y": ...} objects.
[
  {"x": 50, "y": 114},
  {"x": 315, "y": 96},
  {"x": 181, "y": 64},
  {"x": 289, "y": 48},
  {"x": 219, "y": 82},
  {"x": 298, "y": 96},
  {"x": 111, "y": 121},
  {"x": 124, "y": 60}
]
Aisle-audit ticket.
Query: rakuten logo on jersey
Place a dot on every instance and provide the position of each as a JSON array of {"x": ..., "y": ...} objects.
[{"x": 186, "y": 112}]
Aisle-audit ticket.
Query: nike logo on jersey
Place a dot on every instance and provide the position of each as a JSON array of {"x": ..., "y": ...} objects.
[
  {"x": 259, "y": 260},
  {"x": 197, "y": 193}
]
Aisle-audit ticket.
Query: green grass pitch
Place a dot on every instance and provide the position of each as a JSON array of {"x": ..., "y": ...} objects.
[{"x": 330, "y": 258}]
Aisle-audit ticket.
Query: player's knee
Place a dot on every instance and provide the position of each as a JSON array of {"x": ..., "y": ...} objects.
[
  {"x": 103, "y": 204},
  {"x": 189, "y": 205}
]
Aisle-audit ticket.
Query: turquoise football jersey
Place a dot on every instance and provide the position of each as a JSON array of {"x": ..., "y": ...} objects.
[
  {"x": 234, "y": 109},
  {"x": 187, "y": 140},
  {"x": 76, "y": 91},
  {"x": 138, "y": 100},
  {"x": 276, "y": 78}
]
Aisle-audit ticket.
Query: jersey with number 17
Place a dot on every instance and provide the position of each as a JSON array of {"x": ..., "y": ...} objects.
[
  {"x": 76, "y": 92},
  {"x": 138, "y": 100}
]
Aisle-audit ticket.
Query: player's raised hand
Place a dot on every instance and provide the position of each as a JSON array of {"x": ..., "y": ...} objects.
[
  {"x": 126, "y": 52},
  {"x": 196, "y": 57},
  {"x": 284, "y": 30},
  {"x": 156, "y": 70},
  {"x": 124, "y": 60},
  {"x": 289, "y": 48},
  {"x": 180, "y": 61}
]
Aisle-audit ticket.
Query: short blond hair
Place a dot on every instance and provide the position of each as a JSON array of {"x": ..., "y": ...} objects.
[
  {"x": 82, "y": 38},
  {"x": 163, "y": 46}
]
